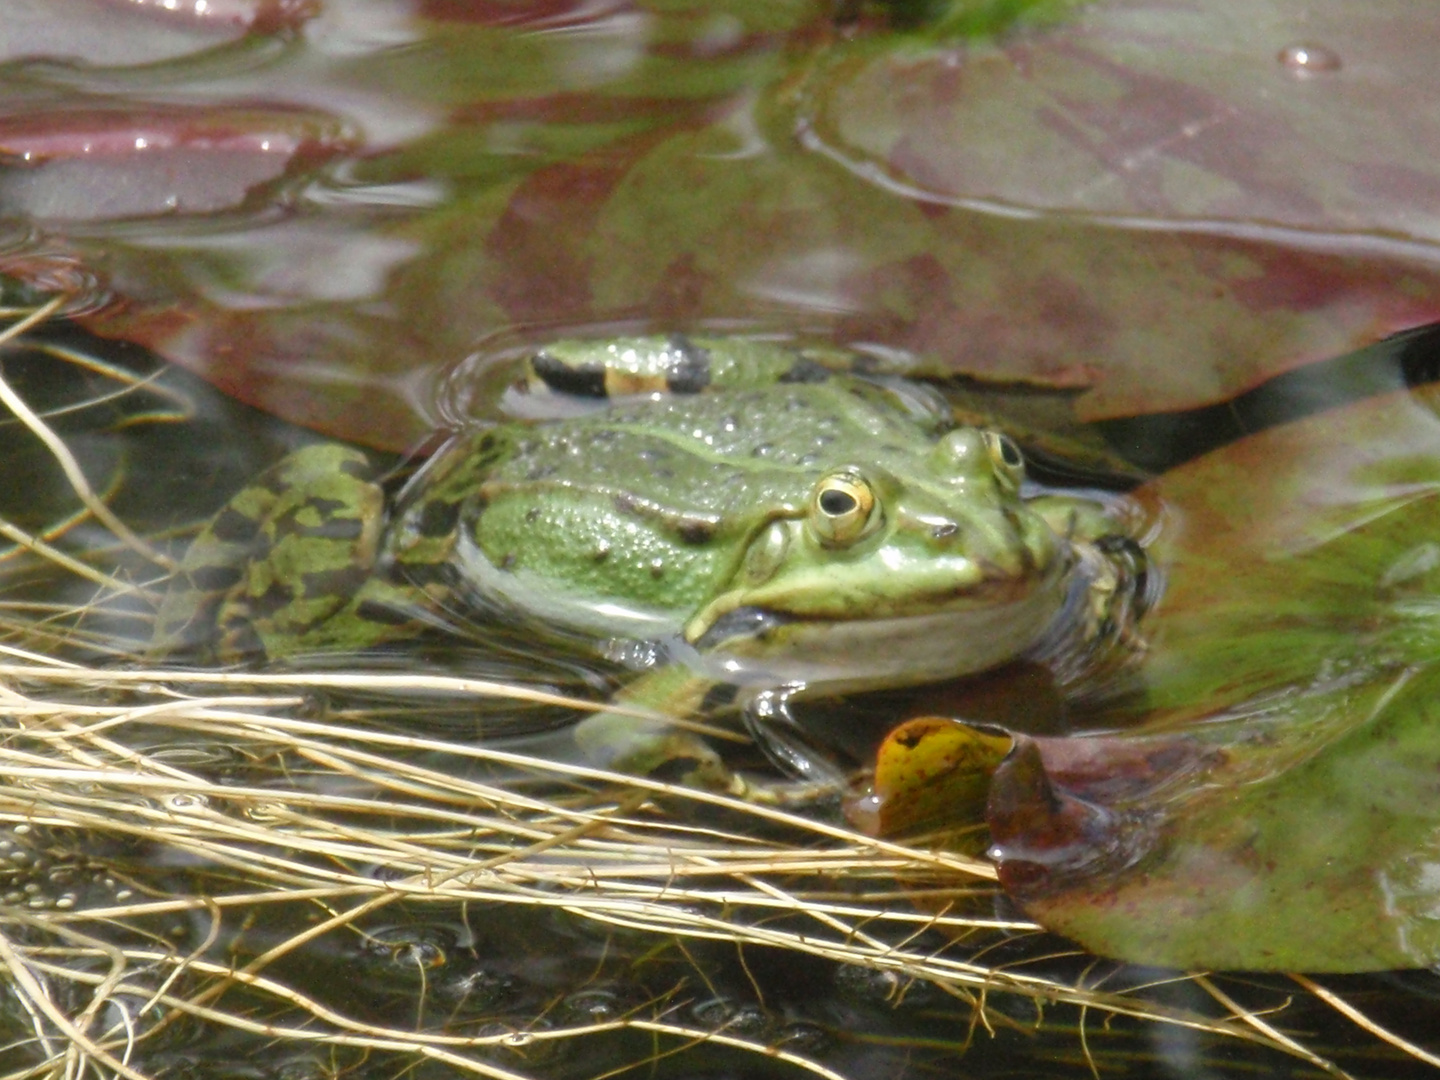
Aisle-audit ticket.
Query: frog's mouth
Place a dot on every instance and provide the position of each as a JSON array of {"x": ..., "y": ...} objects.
[
  {"x": 751, "y": 643},
  {"x": 741, "y": 623}
]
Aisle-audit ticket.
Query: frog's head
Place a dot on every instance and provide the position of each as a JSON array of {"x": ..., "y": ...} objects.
[{"x": 883, "y": 579}]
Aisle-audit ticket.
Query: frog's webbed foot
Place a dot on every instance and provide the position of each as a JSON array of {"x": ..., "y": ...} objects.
[
  {"x": 1122, "y": 590},
  {"x": 774, "y": 729},
  {"x": 1098, "y": 639}
]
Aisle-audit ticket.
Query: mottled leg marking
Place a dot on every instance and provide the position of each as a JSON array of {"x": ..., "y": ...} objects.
[{"x": 282, "y": 556}]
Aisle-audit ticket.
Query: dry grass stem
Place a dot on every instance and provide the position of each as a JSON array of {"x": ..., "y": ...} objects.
[{"x": 600, "y": 854}]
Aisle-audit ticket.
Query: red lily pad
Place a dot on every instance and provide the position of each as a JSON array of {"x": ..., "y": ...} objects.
[
  {"x": 101, "y": 164},
  {"x": 1293, "y": 666},
  {"x": 264, "y": 15},
  {"x": 113, "y": 32},
  {"x": 1249, "y": 138}
]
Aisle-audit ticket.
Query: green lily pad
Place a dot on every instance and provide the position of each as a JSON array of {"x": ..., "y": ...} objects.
[{"x": 1295, "y": 679}]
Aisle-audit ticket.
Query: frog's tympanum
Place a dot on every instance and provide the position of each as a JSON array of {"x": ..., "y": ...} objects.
[{"x": 775, "y": 524}]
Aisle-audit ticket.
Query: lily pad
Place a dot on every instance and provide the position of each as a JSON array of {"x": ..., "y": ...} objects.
[
  {"x": 1146, "y": 203},
  {"x": 1294, "y": 683},
  {"x": 101, "y": 164},
  {"x": 1254, "y": 139}
]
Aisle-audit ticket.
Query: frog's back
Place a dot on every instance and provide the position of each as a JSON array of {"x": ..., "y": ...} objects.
[{"x": 719, "y": 455}]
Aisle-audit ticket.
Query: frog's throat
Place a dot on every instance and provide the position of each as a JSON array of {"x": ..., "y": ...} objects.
[{"x": 753, "y": 646}]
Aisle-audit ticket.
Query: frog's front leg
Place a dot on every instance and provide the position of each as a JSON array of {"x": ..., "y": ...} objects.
[
  {"x": 1118, "y": 583},
  {"x": 779, "y": 735},
  {"x": 659, "y": 746},
  {"x": 648, "y": 742}
]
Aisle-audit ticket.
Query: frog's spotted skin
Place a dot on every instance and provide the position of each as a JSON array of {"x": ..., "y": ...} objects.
[{"x": 818, "y": 530}]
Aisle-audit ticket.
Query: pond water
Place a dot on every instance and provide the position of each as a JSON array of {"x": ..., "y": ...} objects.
[{"x": 277, "y": 222}]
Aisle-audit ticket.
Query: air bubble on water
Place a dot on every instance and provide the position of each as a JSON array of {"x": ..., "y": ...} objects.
[{"x": 1305, "y": 58}]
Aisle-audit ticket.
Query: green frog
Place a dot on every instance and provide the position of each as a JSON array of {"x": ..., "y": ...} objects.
[{"x": 773, "y": 519}]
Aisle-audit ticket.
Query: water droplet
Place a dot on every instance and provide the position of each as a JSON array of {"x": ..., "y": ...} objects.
[
  {"x": 1304, "y": 59},
  {"x": 185, "y": 801}
]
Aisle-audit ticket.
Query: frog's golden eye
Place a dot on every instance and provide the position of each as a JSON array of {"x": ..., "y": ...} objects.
[
  {"x": 1009, "y": 462},
  {"x": 842, "y": 508}
]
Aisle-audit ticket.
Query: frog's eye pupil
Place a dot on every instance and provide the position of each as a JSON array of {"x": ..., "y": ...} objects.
[
  {"x": 835, "y": 503},
  {"x": 1010, "y": 453}
]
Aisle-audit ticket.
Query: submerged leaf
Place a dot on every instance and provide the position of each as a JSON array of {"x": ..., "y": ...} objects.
[{"x": 929, "y": 772}]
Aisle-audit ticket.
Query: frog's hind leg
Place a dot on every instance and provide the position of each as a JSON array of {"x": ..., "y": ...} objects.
[
  {"x": 283, "y": 555},
  {"x": 213, "y": 565}
]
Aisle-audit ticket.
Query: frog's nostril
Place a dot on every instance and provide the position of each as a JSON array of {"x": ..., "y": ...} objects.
[{"x": 944, "y": 530}]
